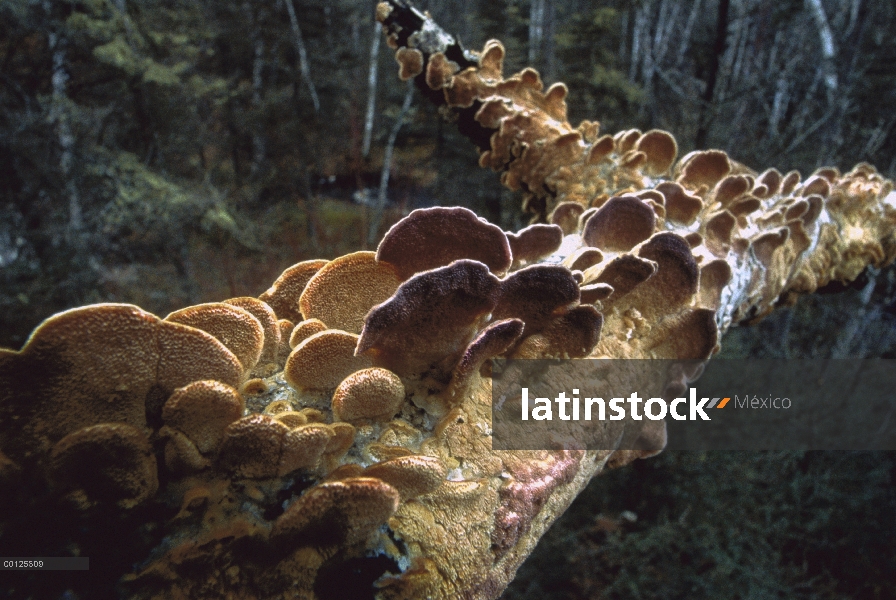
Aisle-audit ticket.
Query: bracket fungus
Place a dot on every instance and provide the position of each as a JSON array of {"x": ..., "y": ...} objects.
[
  {"x": 370, "y": 446},
  {"x": 375, "y": 394}
]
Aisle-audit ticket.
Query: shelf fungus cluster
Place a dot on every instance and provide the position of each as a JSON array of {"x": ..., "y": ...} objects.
[{"x": 331, "y": 438}]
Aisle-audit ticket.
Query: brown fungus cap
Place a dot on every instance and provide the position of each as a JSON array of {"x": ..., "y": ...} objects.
[
  {"x": 342, "y": 440},
  {"x": 693, "y": 335},
  {"x": 681, "y": 207},
  {"x": 265, "y": 315},
  {"x": 626, "y": 140},
  {"x": 410, "y": 61},
  {"x": 432, "y": 316},
  {"x": 534, "y": 242},
  {"x": 771, "y": 179},
  {"x": 252, "y": 447},
  {"x": 660, "y": 149},
  {"x": 573, "y": 335},
  {"x": 345, "y": 289},
  {"x": 305, "y": 330},
  {"x": 714, "y": 276},
  {"x": 731, "y": 188},
  {"x": 745, "y": 206},
  {"x": 764, "y": 245},
  {"x": 321, "y": 361},
  {"x": 412, "y": 475},
  {"x": 703, "y": 168},
  {"x": 434, "y": 237},
  {"x": 286, "y": 328},
  {"x": 632, "y": 161},
  {"x": 623, "y": 273},
  {"x": 594, "y": 292},
  {"x": 234, "y": 327},
  {"x": 373, "y": 394},
  {"x": 182, "y": 457},
  {"x": 816, "y": 185},
  {"x": 291, "y": 419},
  {"x": 536, "y": 294},
  {"x": 495, "y": 339},
  {"x": 620, "y": 224},
  {"x": 789, "y": 183},
  {"x": 583, "y": 258},
  {"x": 676, "y": 278},
  {"x": 439, "y": 71},
  {"x": 284, "y": 295},
  {"x": 337, "y": 513},
  {"x": 277, "y": 407},
  {"x": 718, "y": 230},
  {"x": 109, "y": 462},
  {"x": 566, "y": 216},
  {"x": 202, "y": 410},
  {"x": 100, "y": 363},
  {"x": 303, "y": 446},
  {"x": 491, "y": 60}
]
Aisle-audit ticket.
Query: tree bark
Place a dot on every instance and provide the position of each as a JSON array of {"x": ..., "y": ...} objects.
[{"x": 303, "y": 54}]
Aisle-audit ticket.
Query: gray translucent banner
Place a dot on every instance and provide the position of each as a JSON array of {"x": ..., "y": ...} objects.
[{"x": 750, "y": 404}]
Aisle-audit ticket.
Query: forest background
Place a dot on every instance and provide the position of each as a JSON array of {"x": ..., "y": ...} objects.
[{"x": 172, "y": 152}]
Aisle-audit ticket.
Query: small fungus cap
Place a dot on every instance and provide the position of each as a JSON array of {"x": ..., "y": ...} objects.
[
  {"x": 681, "y": 207},
  {"x": 323, "y": 360},
  {"x": 534, "y": 242},
  {"x": 369, "y": 394},
  {"x": 623, "y": 274},
  {"x": 303, "y": 446},
  {"x": 202, "y": 410},
  {"x": 620, "y": 224},
  {"x": 305, "y": 330},
  {"x": 583, "y": 258},
  {"x": 566, "y": 216},
  {"x": 410, "y": 62},
  {"x": 677, "y": 275},
  {"x": 703, "y": 168},
  {"x": 284, "y": 295},
  {"x": 345, "y": 289},
  {"x": 110, "y": 462},
  {"x": 434, "y": 237},
  {"x": 268, "y": 319},
  {"x": 660, "y": 149},
  {"x": 495, "y": 339},
  {"x": 412, "y": 476},
  {"x": 535, "y": 294},
  {"x": 234, "y": 327},
  {"x": 337, "y": 513},
  {"x": 252, "y": 447}
]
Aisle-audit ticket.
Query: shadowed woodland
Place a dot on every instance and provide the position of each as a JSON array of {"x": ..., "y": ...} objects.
[{"x": 171, "y": 153}]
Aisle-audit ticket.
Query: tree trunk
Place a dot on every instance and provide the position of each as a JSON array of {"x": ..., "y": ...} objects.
[
  {"x": 536, "y": 32},
  {"x": 685, "y": 39},
  {"x": 371, "y": 89},
  {"x": 718, "y": 51},
  {"x": 303, "y": 54},
  {"x": 64, "y": 135},
  {"x": 376, "y": 219},
  {"x": 828, "y": 52}
]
